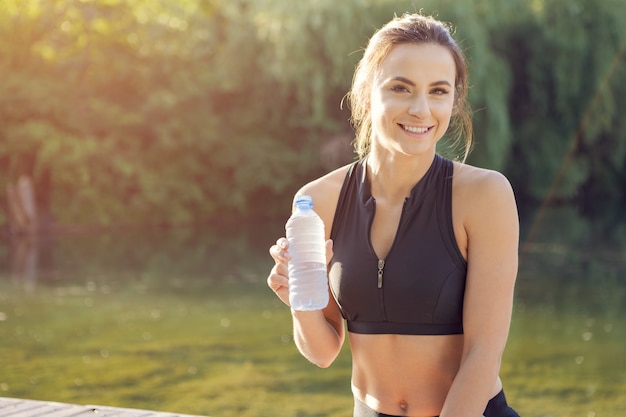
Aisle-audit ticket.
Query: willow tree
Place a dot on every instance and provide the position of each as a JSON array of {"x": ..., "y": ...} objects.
[
  {"x": 167, "y": 111},
  {"x": 567, "y": 62},
  {"x": 159, "y": 111}
]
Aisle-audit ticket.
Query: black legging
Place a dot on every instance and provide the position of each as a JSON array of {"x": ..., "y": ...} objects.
[{"x": 496, "y": 407}]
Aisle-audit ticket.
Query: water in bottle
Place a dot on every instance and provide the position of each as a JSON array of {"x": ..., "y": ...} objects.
[{"x": 308, "y": 282}]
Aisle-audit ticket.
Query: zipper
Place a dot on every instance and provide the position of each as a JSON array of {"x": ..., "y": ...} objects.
[
  {"x": 381, "y": 294},
  {"x": 381, "y": 262}
]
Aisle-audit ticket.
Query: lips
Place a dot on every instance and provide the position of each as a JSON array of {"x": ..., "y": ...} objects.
[{"x": 415, "y": 129}]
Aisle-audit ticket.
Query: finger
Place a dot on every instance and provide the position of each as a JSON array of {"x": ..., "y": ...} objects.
[
  {"x": 279, "y": 251},
  {"x": 280, "y": 285},
  {"x": 282, "y": 243},
  {"x": 283, "y": 269},
  {"x": 329, "y": 250},
  {"x": 279, "y": 270},
  {"x": 276, "y": 282},
  {"x": 274, "y": 251}
]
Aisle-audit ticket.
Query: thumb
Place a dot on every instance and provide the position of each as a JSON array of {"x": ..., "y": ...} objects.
[{"x": 329, "y": 250}]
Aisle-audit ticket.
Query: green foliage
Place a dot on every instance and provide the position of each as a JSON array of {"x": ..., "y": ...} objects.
[
  {"x": 565, "y": 60},
  {"x": 178, "y": 111}
]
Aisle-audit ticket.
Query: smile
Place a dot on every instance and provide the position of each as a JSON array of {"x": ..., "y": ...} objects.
[{"x": 413, "y": 129}]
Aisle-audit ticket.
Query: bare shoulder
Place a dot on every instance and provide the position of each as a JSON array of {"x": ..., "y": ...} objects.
[
  {"x": 485, "y": 209},
  {"x": 475, "y": 186},
  {"x": 325, "y": 193}
]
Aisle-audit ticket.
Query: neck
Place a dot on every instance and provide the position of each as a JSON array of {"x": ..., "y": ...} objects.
[{"x": 392, "y": 177}]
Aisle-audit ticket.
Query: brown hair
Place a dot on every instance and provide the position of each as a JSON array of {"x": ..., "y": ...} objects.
[{"x": 409, "y": 28}]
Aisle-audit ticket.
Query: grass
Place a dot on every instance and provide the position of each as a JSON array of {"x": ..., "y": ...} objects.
[
  {"x": 223, "y": 352},
  {"x": 566, "y": 365},
  {"x": 225, "y": 349}
]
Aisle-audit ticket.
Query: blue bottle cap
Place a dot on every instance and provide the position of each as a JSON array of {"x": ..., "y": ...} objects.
[{"x": 303, "y": 201}]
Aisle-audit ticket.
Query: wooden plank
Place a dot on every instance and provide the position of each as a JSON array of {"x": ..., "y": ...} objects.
[
  {"x": 68, "y": 411},
  {"x": 122, "y": 412},
  {"x": 16, "y": 407},
  {"x": 56, "y": 411},
  {"x": 32, "y": 408},
  {"x": 21, "y": 407},
  {"x": 134, "y": 412}
]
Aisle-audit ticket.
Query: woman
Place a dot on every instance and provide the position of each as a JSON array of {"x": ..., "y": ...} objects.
[{"x": 422, "y": 250}]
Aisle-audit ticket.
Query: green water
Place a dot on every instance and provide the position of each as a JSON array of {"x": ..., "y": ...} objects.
[{"x": 182, "y": 321}]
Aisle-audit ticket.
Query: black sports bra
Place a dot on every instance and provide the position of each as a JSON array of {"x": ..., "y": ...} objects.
[{"x": 419, "y": 287}]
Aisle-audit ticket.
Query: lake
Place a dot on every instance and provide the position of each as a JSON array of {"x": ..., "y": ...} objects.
[{"x": 181, "y": 320}]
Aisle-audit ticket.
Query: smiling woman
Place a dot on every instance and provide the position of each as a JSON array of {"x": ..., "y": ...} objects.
[
  {"x": 422, "y": 250},
  {"x": 413, "y": 90},
  {"x": 371, "y": 65}
]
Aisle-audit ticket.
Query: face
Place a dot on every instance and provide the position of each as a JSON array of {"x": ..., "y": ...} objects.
[{"x": 412, "y": 99}]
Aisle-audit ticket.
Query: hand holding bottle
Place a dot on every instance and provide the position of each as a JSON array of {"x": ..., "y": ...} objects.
[
  {"x": 308, "y": 278},
  {"x": 278, "y": 280}
]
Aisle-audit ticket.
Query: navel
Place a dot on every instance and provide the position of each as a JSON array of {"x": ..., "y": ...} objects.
[{"x": 403, "y": 405}]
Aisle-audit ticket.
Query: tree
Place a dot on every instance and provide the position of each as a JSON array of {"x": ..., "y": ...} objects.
[{"x": 162, "y": 111}]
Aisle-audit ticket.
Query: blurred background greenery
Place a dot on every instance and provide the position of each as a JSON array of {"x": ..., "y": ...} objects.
[
  {"x": 182, "y": 321},
  {"x": 117, "y": 116},
  {"x": 164, "y": 112}
]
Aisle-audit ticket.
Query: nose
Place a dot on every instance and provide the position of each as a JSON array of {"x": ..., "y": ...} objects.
[{"x": 419, "y": 106}]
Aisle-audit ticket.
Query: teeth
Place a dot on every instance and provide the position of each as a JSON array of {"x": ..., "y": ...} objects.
[{"x": 416, "y": 129}]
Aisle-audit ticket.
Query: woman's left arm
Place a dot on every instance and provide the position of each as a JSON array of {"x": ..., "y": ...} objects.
[{"x": 491, "y": 225}]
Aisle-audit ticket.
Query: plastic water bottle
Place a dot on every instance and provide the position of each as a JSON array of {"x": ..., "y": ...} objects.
[{"x": 308, "y": 282}]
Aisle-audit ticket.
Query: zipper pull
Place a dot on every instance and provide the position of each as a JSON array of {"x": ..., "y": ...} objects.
[{"x": 381, "y": 265}]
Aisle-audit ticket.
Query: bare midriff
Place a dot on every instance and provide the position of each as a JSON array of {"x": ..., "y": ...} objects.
[{"x": 404, "y": 375}]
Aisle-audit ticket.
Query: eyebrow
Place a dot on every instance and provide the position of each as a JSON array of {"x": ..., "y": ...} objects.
[{"x": 411, "y": 83}]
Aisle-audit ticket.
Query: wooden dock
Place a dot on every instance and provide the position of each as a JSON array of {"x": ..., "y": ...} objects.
[{"x": 16, "y": 407}]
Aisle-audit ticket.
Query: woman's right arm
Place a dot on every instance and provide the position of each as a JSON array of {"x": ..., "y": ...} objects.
[{"x": 319, "y": 334}]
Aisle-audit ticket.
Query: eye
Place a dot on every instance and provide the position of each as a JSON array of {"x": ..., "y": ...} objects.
[
  {"x": 439, "y": 91},
  {"x": 399, "y": 88}
]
